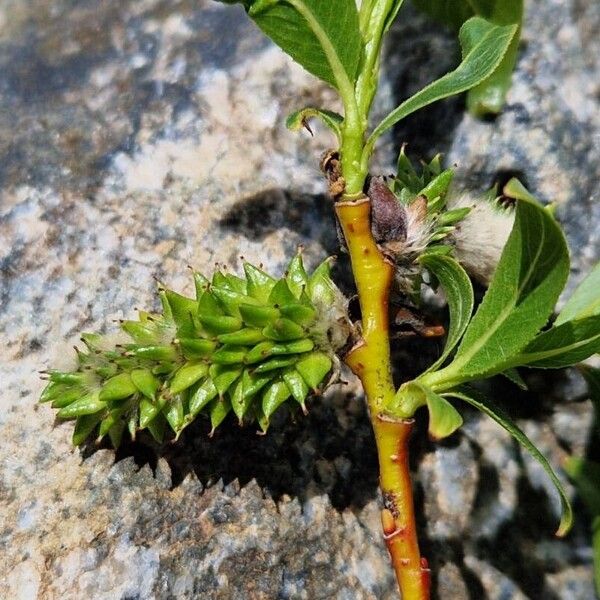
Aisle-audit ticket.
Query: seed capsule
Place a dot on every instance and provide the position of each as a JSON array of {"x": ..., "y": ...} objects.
[{"x": 235, "y": 347}]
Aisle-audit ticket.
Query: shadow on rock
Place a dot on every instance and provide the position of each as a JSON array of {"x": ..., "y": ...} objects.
[
  {"x": 309, "y": 216},
  {"x": 329, "y": 451}
]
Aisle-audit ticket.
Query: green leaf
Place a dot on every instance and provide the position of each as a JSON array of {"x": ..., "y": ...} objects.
[
  {"x": 323, "y": 37},
  {"x": 299, "y": 119},
  {"x": 529, "y": 277},
  {"x": 488, "y": 97},
  {"x": 483, "y": 48},
  {"x": 586, "y": 476},
  {"x": 459, "y": 296},
  {"x": 444, "y": 419},
  {"x": 562, "y": 346},
  {"x": 585, "y": 301},
  {"x": 488, "y": 407}
]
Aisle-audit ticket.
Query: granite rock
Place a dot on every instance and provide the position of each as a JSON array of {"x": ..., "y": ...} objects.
[{"x": 138, "y": 137}]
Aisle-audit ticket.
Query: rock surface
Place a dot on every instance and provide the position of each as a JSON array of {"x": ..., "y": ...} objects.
[{"x": 140, "y": 136}]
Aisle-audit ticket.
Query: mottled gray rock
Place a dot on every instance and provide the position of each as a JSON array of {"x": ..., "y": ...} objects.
[
  {"x": 576, "y": 583},
  {"x": 495, "y": 584},
  {"x": 450, "y": 476},
  {"x": 451, "y": 583},
  {"x": 140, "y": 136}
]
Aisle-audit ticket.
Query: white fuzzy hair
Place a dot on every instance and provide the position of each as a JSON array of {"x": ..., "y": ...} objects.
[{"x": 481, "y": 236}]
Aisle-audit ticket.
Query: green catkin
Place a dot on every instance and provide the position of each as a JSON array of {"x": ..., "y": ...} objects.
[{"x": 243, "y": 345}]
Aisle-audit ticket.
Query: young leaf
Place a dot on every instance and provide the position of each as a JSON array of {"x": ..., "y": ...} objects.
[
  {"x": 490, "y": 95},
  {"x": 459, "y": 296},
  {"x": 299, "y": 119},
  {"x": 444, "y": 419},
  {"x": 531, "y": 273},
  {"x": 483, "y": 47},
  {"x": 488, "y": 407},
  {"x": 585, "y": 301},
  {"x": 324, "y": 37}
]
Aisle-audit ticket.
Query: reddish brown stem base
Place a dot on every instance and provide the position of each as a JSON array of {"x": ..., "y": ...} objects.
[{"x": 398, "y": 515}]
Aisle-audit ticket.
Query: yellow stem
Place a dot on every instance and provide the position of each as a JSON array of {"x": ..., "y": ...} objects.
[
  {"x": 370, "y": 360},
  {"x": 398, "y": 514},
  {"x": 373, "y": 275}
]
